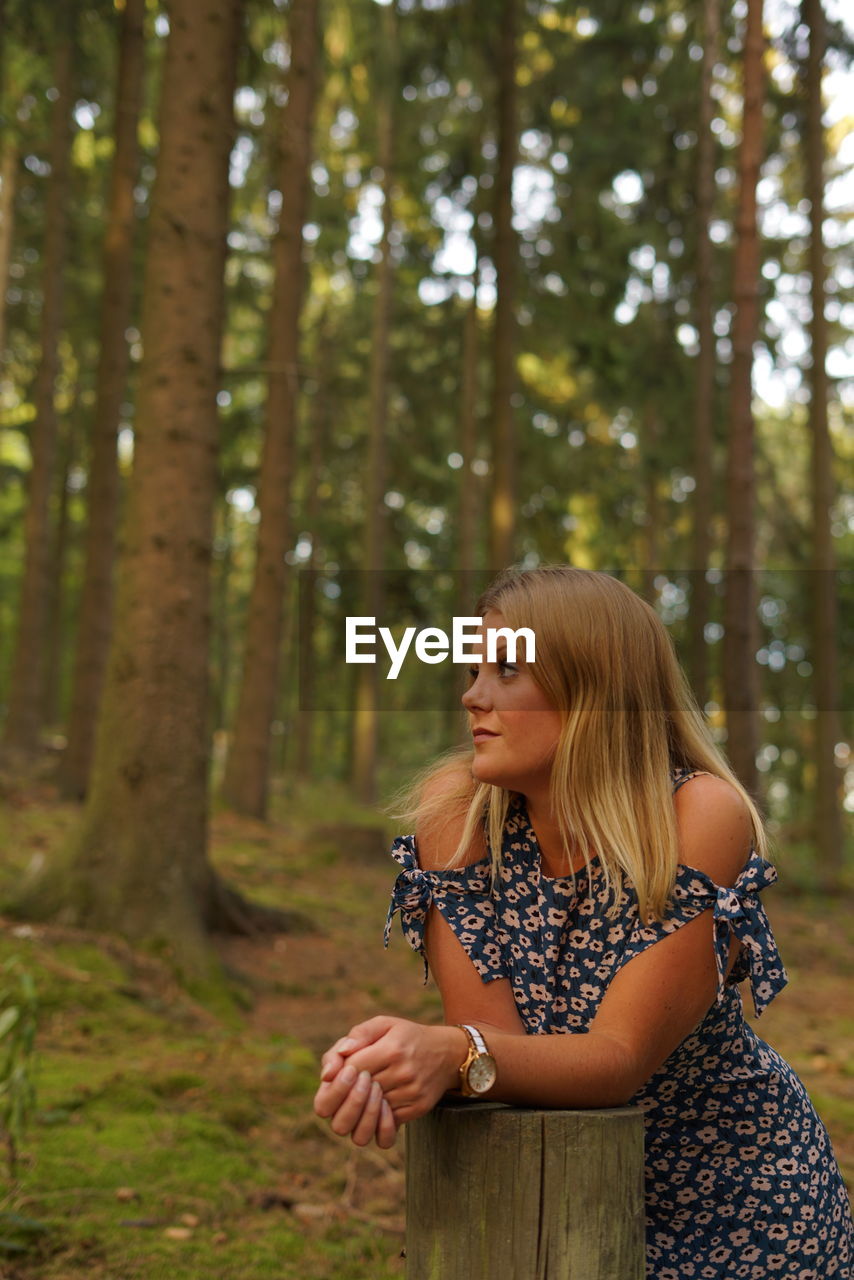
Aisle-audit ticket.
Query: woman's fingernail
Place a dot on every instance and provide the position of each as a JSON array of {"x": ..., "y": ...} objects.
[
  {"x": 364, "y": 1081},
  {"x": 376, "y": 1091},
  {"x": 344, "y": 1046},
  {"x": 347, "y": 1075},
  {"x": 328, "y": 1071}
]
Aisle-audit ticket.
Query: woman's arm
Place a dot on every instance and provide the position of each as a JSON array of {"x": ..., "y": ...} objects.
[
  {"x": 465, "y": 996},
  {"x": 652, "y": 1004}
]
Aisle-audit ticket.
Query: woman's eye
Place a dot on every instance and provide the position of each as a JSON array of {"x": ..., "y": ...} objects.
[{"x": 502, "y": 664}]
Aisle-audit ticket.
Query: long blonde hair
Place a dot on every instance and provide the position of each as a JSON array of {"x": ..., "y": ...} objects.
[{"x": 606, "y": 661}]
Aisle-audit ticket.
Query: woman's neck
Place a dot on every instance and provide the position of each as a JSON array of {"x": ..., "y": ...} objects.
[{"x": 555, "y": 858}]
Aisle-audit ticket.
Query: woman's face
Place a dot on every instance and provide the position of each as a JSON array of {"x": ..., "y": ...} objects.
[{"x": 504, "y": 699}]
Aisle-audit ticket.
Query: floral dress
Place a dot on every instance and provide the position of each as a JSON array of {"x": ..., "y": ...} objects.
[{"x": 741, "y": 1179}]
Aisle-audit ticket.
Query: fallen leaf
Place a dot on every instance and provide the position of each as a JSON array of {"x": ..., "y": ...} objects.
[{"x": 311, "y": 1212}]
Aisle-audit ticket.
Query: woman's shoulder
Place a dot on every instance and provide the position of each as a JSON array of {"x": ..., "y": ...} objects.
[
  {"x": 446, "y": 796},
  {"x": 714, "y": 826}
]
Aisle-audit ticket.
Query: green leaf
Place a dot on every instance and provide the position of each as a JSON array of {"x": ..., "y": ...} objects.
[{"x": 8, "y": 1018}]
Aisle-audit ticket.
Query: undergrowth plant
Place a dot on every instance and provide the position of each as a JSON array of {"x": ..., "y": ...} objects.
[{"x": 18, "y": 1024}]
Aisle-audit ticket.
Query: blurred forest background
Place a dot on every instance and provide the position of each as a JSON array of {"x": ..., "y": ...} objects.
[
  {"x": 336, "y": 307},
  {"x": 323, "y": 308}
]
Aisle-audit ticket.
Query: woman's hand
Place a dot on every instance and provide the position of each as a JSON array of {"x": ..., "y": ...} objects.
[
  {"x": 355, "y": 1105},
  {"x": 412, "y": 1064}
]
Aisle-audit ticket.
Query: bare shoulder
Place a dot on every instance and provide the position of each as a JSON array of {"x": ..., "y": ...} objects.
[
  {"x": 714, "y": 826},
  {"x": 438, "y": 833}
]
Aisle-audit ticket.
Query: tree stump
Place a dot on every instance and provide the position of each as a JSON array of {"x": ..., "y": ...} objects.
[{"x": 495, "y": 1192}]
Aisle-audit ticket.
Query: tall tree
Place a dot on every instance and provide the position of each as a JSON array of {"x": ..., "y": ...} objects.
[
  {"x": 307, "y": 609},
  {"x": 8, "y": 183},
  {"x": 740, "y": 680},
  {"x": 138, "y": 861},
  {"x": 26, "y": 693},
  {"x": 246, "y": 782},
  {"x": 93, "y": 629},
  {"x": 366, "y": 717},
  {"x": 706, "y": 358},
  {"x": 828, "y": 731},
  {"x": 469, "y": 492},
  {"x": 504, "y": 481},
  {"x": 62, "y": 536}
]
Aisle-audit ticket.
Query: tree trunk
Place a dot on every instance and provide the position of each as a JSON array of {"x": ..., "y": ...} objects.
[
  {"x": 741, "y": 638},
  {"x": 503, "y": 504},
  {"x": 306, "y": 609},
  {"x": 138, "y": 862},
  {"x": 26, "y": 687},
  {"x": 8, "y": 186},
  {"x": 366, "y": 716},
  {"x": 62, "y": 532},
  {"x": 93, "y": 628},
  {"x": 246, "y": 782},
  {"x": 222, "y": 646},
  {"x": 468, "y": 517},
  {"x": 650, "y": 533},
  {"x": 698, "y": 662},
  {"x": 828, "y": 729}
]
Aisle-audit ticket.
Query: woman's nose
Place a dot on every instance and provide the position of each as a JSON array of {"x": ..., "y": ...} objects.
[{"x": 476, "y": 696}]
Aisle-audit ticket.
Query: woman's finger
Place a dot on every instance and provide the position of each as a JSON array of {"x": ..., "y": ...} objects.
[
  {"x": 332, "y": 1093},
  {"x": 386, "y": 1134},
  {"x": 331, "y": 1063},
  {"x": 349, "y": 1112},
  {"x": 366, "y": 1126}
]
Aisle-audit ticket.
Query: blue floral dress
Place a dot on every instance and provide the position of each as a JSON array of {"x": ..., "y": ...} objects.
[{"x": 741, "y": 1179}]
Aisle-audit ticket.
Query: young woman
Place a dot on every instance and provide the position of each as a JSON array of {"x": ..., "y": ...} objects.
[{"x": 586, "y": 888}]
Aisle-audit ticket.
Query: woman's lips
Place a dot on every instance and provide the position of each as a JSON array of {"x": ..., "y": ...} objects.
[{"x": 481, "y": 735}]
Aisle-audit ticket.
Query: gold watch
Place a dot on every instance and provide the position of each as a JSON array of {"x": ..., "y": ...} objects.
[{"x": 479, "y": 1072}]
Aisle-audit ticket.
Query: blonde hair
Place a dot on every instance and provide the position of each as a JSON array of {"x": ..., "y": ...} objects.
[{"x": 606, "y": 661}]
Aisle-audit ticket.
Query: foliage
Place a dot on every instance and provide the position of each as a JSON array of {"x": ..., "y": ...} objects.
[
  {"x": 607, "y": 332},
  {"x": 19, "y": 1012}
]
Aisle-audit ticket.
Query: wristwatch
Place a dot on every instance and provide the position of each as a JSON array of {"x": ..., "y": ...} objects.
[{"x": 479, "y": 1072}]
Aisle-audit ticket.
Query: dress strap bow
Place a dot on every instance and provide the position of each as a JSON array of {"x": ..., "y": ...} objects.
[
  {"x": 739, "y": 909},
  {"x": 414, "y": 891}
]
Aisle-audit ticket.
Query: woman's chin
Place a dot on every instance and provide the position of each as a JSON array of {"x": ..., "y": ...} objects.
[{"x": 481, "y": 772}]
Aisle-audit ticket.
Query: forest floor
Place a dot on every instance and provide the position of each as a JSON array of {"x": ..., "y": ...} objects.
[{"x": 177, "y": 1140}]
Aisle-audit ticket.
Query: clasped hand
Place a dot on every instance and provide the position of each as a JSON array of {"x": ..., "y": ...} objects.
[{"x": 383, "y": 1073}]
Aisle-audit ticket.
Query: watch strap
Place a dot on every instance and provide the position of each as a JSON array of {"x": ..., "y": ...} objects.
[{"x": 476, "y": 1038}]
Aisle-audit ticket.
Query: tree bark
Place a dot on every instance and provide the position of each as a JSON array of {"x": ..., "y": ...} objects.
[
  {"x": 138, "y": 862},
  {"x": 8, "y": 186},
  {"x": 469, "y": 514},
  {"x": 698, "y": 662},
  {"x": 55, "y": 638},
  {"x": 366, "y": 715},
  {"x": 246, "y": 782},
  {"x": 21, "y": 736},
  {"x": 504, "y": 492},
  {"x": 650, "y": 531},
  {"x": 828, "y": 729},
  {"x": 222, "y": 641},
  {"x": 741, "y": 633},
  {"x": 306, "y": 609},
  {"x": 93, "y": 629}
]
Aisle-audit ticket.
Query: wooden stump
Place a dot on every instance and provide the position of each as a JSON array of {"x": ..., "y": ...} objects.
[{"x": 495, "y": 1192}]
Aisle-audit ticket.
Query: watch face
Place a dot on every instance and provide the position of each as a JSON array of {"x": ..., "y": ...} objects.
[{"x": 482, "y": 1073}]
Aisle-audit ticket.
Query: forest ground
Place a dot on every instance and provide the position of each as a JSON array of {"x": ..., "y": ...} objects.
[{"x": 178, "y": 1139}]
